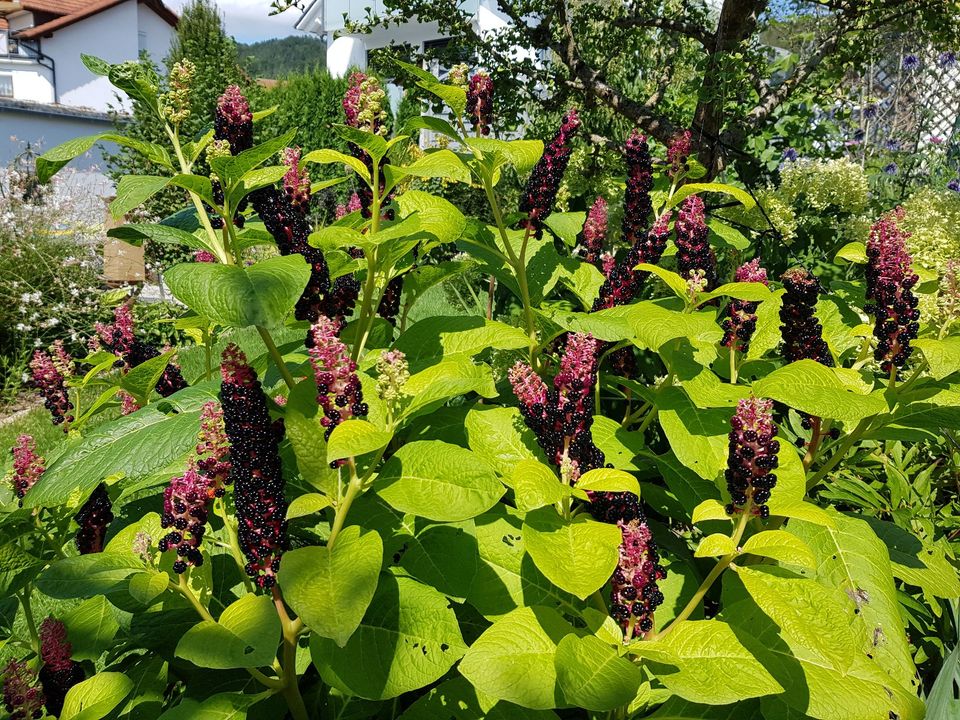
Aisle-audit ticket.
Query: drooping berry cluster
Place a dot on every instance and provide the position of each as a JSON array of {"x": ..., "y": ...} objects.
[
  {"x": 544, "y": 182},
  {"x": 594, "y": 233},
  {"x": 363, "y": 107},
  {"x": 51, "y": 385},
  {"x": 296, "y": 181},
  {"x": 22, "y": 699},
  {"x": 693, "y": 250},
  {"x": 187, "y": 499},
  {"x": 634, "y": 594},
  {"x": 234, "y": 120},
  {"x": 27, "y": 466},
  {"x": 338, "y": 386},
  {"x": 801, "y": 330},
  {"x": 615, "y": 507},
  {"x": 623, "y": 283},
  {"x": 741, "y": 320},
  {"x": 480, "y": 102},
  {"x": 561, "y": 416},
  {"x": 59, "y": 673},
  {"x": 389, "y": 306},
  {"x": 61, "y": 359},
  {"x": 255, "y": 470},
  {"x": 890, "y": 281},
  {"x": 94, "y": 517},
  {"x": 752, "y": 456},
  {"x": 678, "y": 151},
  {"x": 637, "y": 205},
  {"x": 120, "y": 339}
]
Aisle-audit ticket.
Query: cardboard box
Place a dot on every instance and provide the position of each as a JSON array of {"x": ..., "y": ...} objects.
[{"x": 122, "y": 262}]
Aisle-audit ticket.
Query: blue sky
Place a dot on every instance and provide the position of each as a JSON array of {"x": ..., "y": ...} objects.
[{"x": 249, "y": 20}]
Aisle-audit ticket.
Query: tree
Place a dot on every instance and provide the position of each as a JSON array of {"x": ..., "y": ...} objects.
[{"x": 667, "y": 64}]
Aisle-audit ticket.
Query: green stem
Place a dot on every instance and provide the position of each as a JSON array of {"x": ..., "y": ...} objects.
[
  {"x": 914, "y": 377},
  {"x": 185, "y": 168},
  {"x": 733, "y": 365},
  {"x": 28, "y": 615},
  {"x": 234, "y": 545},
  {"x": 276, "y": 357},
  {"x": 353, "y": 489},
  {"x": 708, "y": 581},
  {"x": 291, "y": 688},
  {"x": 837, "y": 456}
]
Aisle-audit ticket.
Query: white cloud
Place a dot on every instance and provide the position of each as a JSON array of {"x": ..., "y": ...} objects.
[{"x": 250, "y": 20}]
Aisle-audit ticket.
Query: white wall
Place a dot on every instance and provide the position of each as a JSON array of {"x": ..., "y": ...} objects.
[
  {"x": 159, "y": 33},
  {"x": 30, "y": 80},
  {"x": 45, "y": 129}
]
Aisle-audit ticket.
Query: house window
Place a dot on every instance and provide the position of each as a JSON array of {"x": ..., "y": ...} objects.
[
  {"x": 142, "y": 41},
  {"x": 6, "y": 85}
]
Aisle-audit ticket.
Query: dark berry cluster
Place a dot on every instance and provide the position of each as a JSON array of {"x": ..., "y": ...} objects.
[
  {"x": 623, "y": 283},
  {"x": 22, "y": 699},
  {"x": 186, "y": 500},
  {"x": 234, "y": 120},
  {"x": 255, "y": 470},
  {"x": 890, "y": 281},
  {"x": 389, "y": 306},
  {"x": 741, "y": 320},
  {"x": 480, "y": 102},
  {"x": 693, "y": 250},
  {"x": 615, "y": 507},
  {"x": 801, "y": 330},
  {"x": 338, "y": 386},
  {"x": 634, "y": 594},
  {"x": 561, "y": 417},
  {"x": 752, "y": 456},
  {"x": 678, "y": 152},
  {"x": 27, "y": 466},
  {"x": 49, "y": 381},
  {"x": 59, "y": 673},
  {"x": 296, "y": 181},
  {"x": 94, "y": 518},
  {"x": 544, "y": 182},
  {"x": 594, "y": 233},
  {"x": 637, "y": 205}
]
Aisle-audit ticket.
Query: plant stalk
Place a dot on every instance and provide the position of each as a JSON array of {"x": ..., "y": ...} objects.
[{"x": 276, "y": 357}]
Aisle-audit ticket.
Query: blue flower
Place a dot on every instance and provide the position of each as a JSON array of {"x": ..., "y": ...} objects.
[
  {"x": 947, "y": 59},
  {"x": 892, "y": 145},
  {"x": 870, "y": 111},
  {"x": 954, "y": 185},
  {"x": 910, "y": 62},
  {"x": 890, "y": 169},
  {"x": 790, "y": 154}
]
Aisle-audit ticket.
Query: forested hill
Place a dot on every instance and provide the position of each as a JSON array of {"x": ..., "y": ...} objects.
[{"x": 282, "y": 56}]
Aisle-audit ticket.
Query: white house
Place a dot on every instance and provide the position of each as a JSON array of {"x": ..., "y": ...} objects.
[
  {"x": 47, "y": 95},
  {"x": 346, "y": 50}
]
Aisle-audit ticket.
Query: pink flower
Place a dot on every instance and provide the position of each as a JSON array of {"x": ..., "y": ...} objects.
[
  {"x": 234, "y": 120},
  {"x": 480, "y": 102},
  {"x": 203, "y": 256},
  {"x": 338, "y": 386},
  {"x": 296, "y": 182},
  {"x": 27, "y": 466},
  {"x": 634, "y": 593},
  {"x": 693, "y": 250},
  {"x": 49, "y": 381},
  {"x": 595, "y": 232}
]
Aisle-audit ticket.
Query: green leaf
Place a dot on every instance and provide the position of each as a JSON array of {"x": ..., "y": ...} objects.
[
  {"x": 447, "y": 379},
  {"x": 810, "y": 387},
  {"x": 709, "y": 510},
  {"x": 715, "y": 545},
  {"x": 135, "y": 446},
  {"x": 849, "y": 556},
  {"x": 943, "y": 356},
  {"x": 94, "y": 698},
  {"x": 514, "y": 659},
  {"x": 355, "y": 437},
  {"x": 577, "y": 555},
  {"x": 442, "y": 555},
  {"x": 752, "y": 291},
  {"x": 302, "y": 423},
  {"x": 91, "y": 627},
  {"x": 330, "y": 589},
  {"x": 246, "y": 635},
  {"x": 51, "y": 161},
  {"x": 437, "y": 216},
  {"x": 142, "y": 379},
  {"x": 308, "y": 504},
  {"x": 620, "y": 446},
  {"x": 326, "y": 157},
  {"x": 767, "y": 335},
  {"x": 439, "y": 481},
  {"x": 521, "y": 154},
  {"x": 434, "y": 124},
  {"x": 781, "y": 546},
  {"x": 454, "y": 97},
  {"x": 917, "y": 563},
  {"x": 222, "y": 706},
  {"x": 608, "y": 480},
  {"x": 697, "y": 437},
  {"x": 499, "y": 436},
  {"x": 728, "y": 235},
  {"x": 585, "y": 282},
  {"x": 653, "y": 324},
  {"x": 446, "y": 335},
  {"x": 133, "y": 190},
  {"x": 163, "y": 234},
  {"x": 535, "y": 485},
  {"x": 87, "y": 575},
  {"x": 592, "y": 675},
  {"x": 230, "y": 168},
  {"x": 566, "y": 225},
  {"x": 710, "y": 663},
  {"x": 673, "y": 281},
  {"x": 372, "y": 143},
  {"x": 198, "y": 184},
  {"x": 95, "y": 65},
  {"x": 408, "y": 638},
  {"x": 436, "y": 164},
  {"x": 852, "y": 252},
  {"x": 457, "y": 699},
  {"x": 685, "y": 191},
  {"x": 262, "y": 294}
]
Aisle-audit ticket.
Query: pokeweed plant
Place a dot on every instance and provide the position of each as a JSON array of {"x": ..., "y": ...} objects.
[{"x": 326, "y": 511}]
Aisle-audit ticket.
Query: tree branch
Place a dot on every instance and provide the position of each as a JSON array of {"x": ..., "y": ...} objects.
[{"x": 683, "y": 27}]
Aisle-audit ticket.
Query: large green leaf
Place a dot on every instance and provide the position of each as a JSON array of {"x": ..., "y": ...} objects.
[
  {"x": 592, "y": 675},
  {"x": 577, "y": 555},
  {"x": 91, "y": 626},
  {"x": 917, "y": 563},
  {"x": 262, "y": 294},
  {"x": 246, "y": 635},
  {"x": 408, "y": 638},
  {"x": 943, "y": 356},
  {"x": 331, "y": 588},
  {"x": 134, "y": 190},
  {"x": 222, "y": 706},
  {"x": 444, "y": 556},
  {"x": 163, "y": 234},
  {"x": 499, "y": 436},
  {"x": 437, "y": 164},
  {"x": 849, "y": 556},
  {"x": 439, "y": 481},
  {"x": 302, "y": 424},
  {"x": 94, "y": 698},
  {"x": 437, "y": 216},
  {"x": 685, "y": 191},
  {"x": 654, "y": 323},
  {"x": 447, "y": 379},
  {"x": 457, "y": 699},
  {"x": 355, "y": 437},
  {"x": 536, "y": 485},
  {"x": 443, "y": 336},
  {"x": 697, "y": 437},
  {"x": 514, "y": 659},
  {"x": 705, "y": 661},
  {"x": 810, "y": 387}
]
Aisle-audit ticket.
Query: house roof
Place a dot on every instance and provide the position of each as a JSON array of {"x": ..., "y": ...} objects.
[{"x": 80, "y": 10}]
